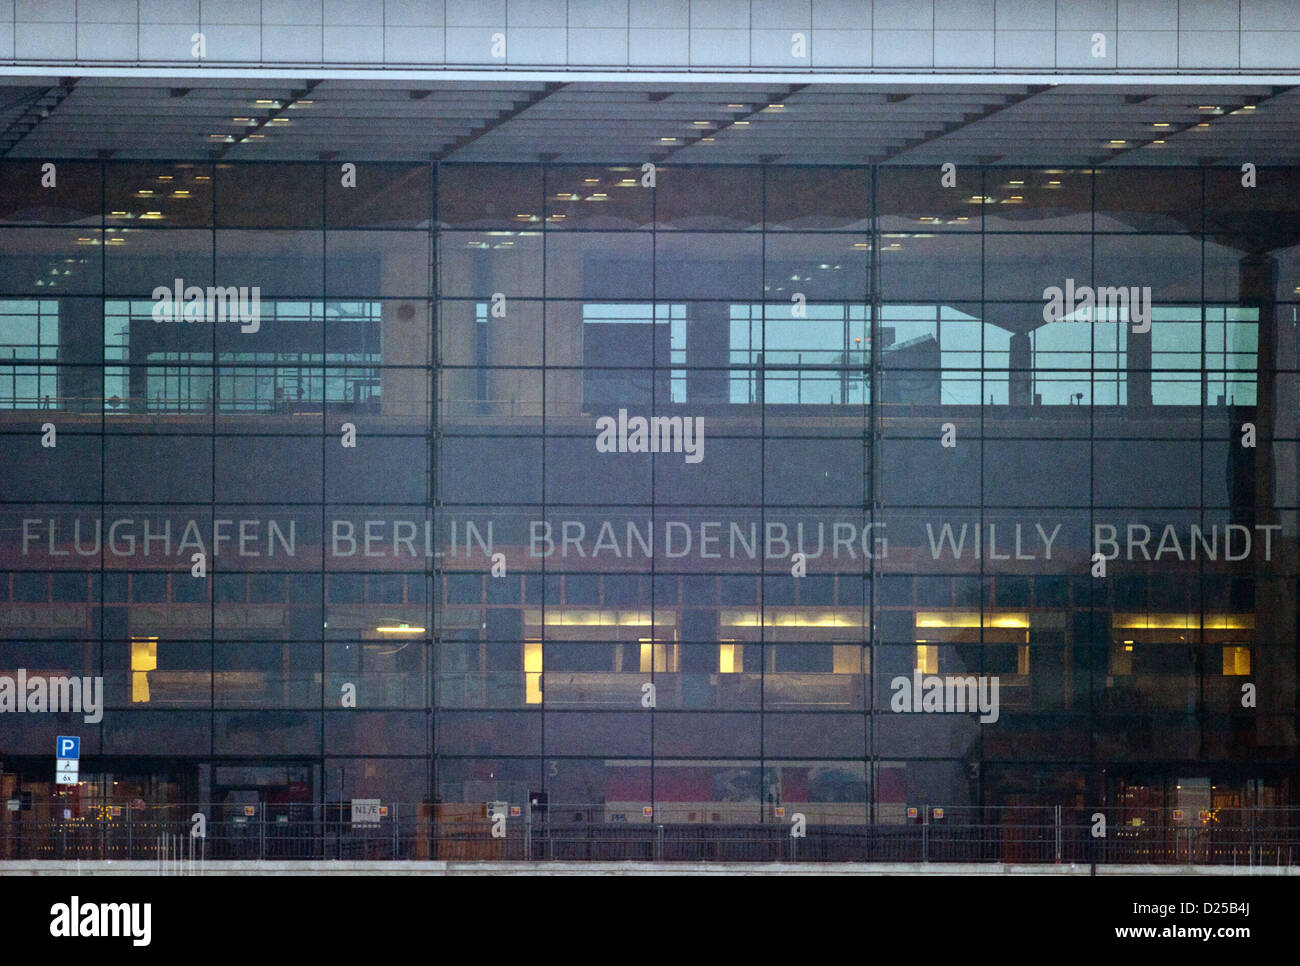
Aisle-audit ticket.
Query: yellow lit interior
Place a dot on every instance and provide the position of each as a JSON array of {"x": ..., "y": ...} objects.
[
  {"x": 793, "y": 617},
  {"x": 972, "y": 619},
  {"x": 927, "y": 659},
  {"x": 144, "y": 658},
  {"x": 1236, "y": 660},
  {"x": 594, "y": 617},
  {"x": 1181, "y": 622},
  {"x": 664, "y": 656},
  {"x": 730, "y": 658},
  {"x": 532, "y": 672}
]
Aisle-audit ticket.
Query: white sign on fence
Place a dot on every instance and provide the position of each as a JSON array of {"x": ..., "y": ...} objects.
[{"x": 365, "y": 811}]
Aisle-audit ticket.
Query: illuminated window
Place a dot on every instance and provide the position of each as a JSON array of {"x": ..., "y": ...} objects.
[
  {"x": 731, "y": 658},
  {"x": 532, "y": 672},
  {"x": 144, "y": 658},
  {"x": 1236, "y": 660},
  {"x": 664, "y": 656},
  {"x": 927, "y": 658}
]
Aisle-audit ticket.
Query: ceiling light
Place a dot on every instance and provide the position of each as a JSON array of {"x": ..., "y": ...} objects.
[
  {"x": 1157, "y": 142},
  {"x": 400, "y": 629},
  {"x": 702, "y": 123},
  {"x": 1160, "y": 124},
  {"x": 668, "y": 140},
  {"x": 742, "y": 124},
  {"x": 1118, "y": 141}
]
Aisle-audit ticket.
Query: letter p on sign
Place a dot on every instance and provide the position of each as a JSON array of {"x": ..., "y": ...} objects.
[{"x": 68, "y": 747}]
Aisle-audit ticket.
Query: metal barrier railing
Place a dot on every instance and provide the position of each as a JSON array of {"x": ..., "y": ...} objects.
[{"x": 171, "y": 835}]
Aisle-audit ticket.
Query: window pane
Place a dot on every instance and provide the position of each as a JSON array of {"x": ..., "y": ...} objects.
[
  {"x": 158, "y": 194},
  {"x": 269, "y": 195}
]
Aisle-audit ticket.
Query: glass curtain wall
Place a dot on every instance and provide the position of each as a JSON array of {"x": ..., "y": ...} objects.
[{"x": 518, "y": 478}]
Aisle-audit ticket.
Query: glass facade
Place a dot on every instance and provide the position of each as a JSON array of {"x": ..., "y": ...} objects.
[{"x": 340, "y": 489}]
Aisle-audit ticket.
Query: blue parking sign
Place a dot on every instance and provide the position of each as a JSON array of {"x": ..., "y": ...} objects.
[{"x": 68, "y": 747}]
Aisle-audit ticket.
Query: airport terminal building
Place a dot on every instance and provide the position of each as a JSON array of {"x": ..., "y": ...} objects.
[{"x": 683, "y": 413}]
